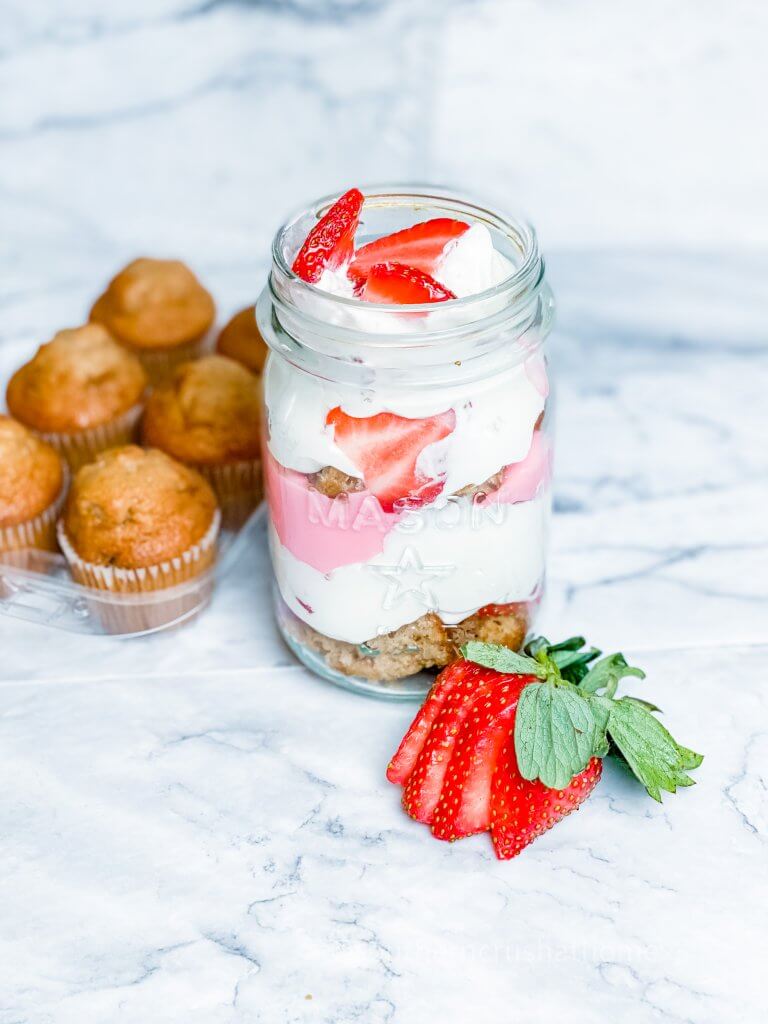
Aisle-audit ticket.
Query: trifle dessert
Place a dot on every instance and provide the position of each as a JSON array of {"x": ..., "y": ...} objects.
[{"x": 407, "y": 449}]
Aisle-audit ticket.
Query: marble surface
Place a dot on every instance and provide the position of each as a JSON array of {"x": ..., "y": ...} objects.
[
  {"x": 226, "y": 850},
  {"x": 191, "y": 827}
]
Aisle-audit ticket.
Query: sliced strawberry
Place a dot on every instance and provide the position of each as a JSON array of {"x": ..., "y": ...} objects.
[
  {"x": 397, "y": 283},
  {"x": 420, "y": 246},
  {"x": 459, "y": 756},
  {"x": 508, "y": 807},
  {"x": 385, "y": 448},
  {"x": 521, "y": 810},
  {"x": 402, "y": 764},
  {"x": 331, "y": 241},
  {"x": 422, "y": 791},
  {"x": 464, "y": 807}
]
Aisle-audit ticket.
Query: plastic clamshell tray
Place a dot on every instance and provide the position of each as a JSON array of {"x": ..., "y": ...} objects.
[{"x": 36, "y": 586}]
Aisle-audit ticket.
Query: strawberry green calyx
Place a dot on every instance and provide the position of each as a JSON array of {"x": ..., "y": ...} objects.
[
  {"x": 570, "y": 714},
  {"x": 503, "y": 659}
]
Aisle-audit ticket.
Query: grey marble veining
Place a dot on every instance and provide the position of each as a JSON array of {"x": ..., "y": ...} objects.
[
  {"x": 193, "y": 828},
  {"x": 227, "y": 850}
]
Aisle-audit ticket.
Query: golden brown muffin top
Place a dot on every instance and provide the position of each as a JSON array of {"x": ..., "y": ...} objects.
[
  {"x": 241, "y": 339},
  {"x": 133, "y": 508},
  {"x": 208, "y": 414},
  {"x": 79, "y": 379},
  {"x": 31, "y": 474},
  {"x": 155, "y": 304}
]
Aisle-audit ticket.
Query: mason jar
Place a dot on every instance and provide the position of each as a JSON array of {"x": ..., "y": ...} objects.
[{"x": 378, "y": 598}]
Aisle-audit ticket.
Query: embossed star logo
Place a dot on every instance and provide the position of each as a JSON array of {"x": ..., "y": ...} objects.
[{"x": 411, "y": 577}]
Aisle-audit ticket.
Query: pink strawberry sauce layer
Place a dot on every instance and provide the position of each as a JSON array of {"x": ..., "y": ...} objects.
[{"x": 328, "y": 533}]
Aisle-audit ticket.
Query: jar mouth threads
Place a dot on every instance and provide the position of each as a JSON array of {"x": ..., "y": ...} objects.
[
  {"x": 460, "y": 339},
  {"x": 514, "y": 237}
]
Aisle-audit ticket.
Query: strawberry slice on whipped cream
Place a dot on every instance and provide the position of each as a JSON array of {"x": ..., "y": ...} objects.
[
  {"x": 421, "y": 246},
  {"x": 398, "y": 283},
  {"x": 331, "y": 242},
  {"x": 434, "y": 260}
]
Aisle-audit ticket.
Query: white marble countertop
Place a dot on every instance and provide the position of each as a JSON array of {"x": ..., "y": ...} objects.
[{"x": 194, "y": 829}]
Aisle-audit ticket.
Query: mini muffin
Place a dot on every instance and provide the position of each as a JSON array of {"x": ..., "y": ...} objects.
[
  {"x": 241, "y": 339},
  {"x": 137, "y": 522},
  {"x": 208, "y": 417},
  {"x": 81, "y": 392},
  {"x": 159, "y": 310},
  {"x": 32, "y": 486}
]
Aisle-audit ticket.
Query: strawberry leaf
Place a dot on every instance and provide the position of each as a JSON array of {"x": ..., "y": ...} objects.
[
  {"x": 502, "y": 659},
  {"x": 540, "y": 643},
  {"x": 606, "y": 673},
  {"x": 574, "y": 715},
  {"x": 568, "y": 656},
  {"x": 658, "y": 761},
  {"x": 565, "y": 658},
  {"x": 573, "y": 643},
  {"x": 689, "y": 760},
  {"x": 557, "y": 731},
  {"x": 574, "y": 665}
]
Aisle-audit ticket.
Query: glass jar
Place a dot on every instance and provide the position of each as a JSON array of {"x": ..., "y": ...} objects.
[{"x": 379, "y": 597}]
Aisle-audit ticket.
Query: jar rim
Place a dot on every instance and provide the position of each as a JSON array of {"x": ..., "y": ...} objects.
[{"x": 520, "y": 287}]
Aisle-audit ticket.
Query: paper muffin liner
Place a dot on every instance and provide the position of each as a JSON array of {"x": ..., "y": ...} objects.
[
  {"x": 238, "y": 487},
  {"x": 19, "y": 541},
  {"x": 159, "y": 363},
  {"x": 124, "y": 611},
  {"x": 83, "y": 446}
]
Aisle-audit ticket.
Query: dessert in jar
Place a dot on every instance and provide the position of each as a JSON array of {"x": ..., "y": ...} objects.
[{"x": 407, "y": 448}]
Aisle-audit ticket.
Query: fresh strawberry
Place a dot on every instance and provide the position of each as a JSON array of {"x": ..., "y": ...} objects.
[
  {"x": 514, "y": 741},
  {"x": 521, "y": 811},
  {"x": 385, "y": 448},
  {"x": 422, "y": 791},
  {"x": 397, "y": 283},
  {"x": 464, "y": 806},
  {"x": 402, "y": 764},
  {"x": 331, "y": 241},
  {"x": 420, "y": 246}
]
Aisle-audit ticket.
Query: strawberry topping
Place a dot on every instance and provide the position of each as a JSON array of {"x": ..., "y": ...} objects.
[
  {"x": 395, "y": 282},
  {"x": 331, "y": 241},
  {"x": 420, "y": 246},
  {"x": 385, "y": 449}
]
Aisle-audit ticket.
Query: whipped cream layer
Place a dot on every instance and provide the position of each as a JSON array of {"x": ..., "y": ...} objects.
[{"x": 494, "y": 420}]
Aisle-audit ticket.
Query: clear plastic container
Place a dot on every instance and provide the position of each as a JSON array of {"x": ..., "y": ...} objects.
[
  {"x": 377, "y": 597},
  {"x": 36, "y": 586}
]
